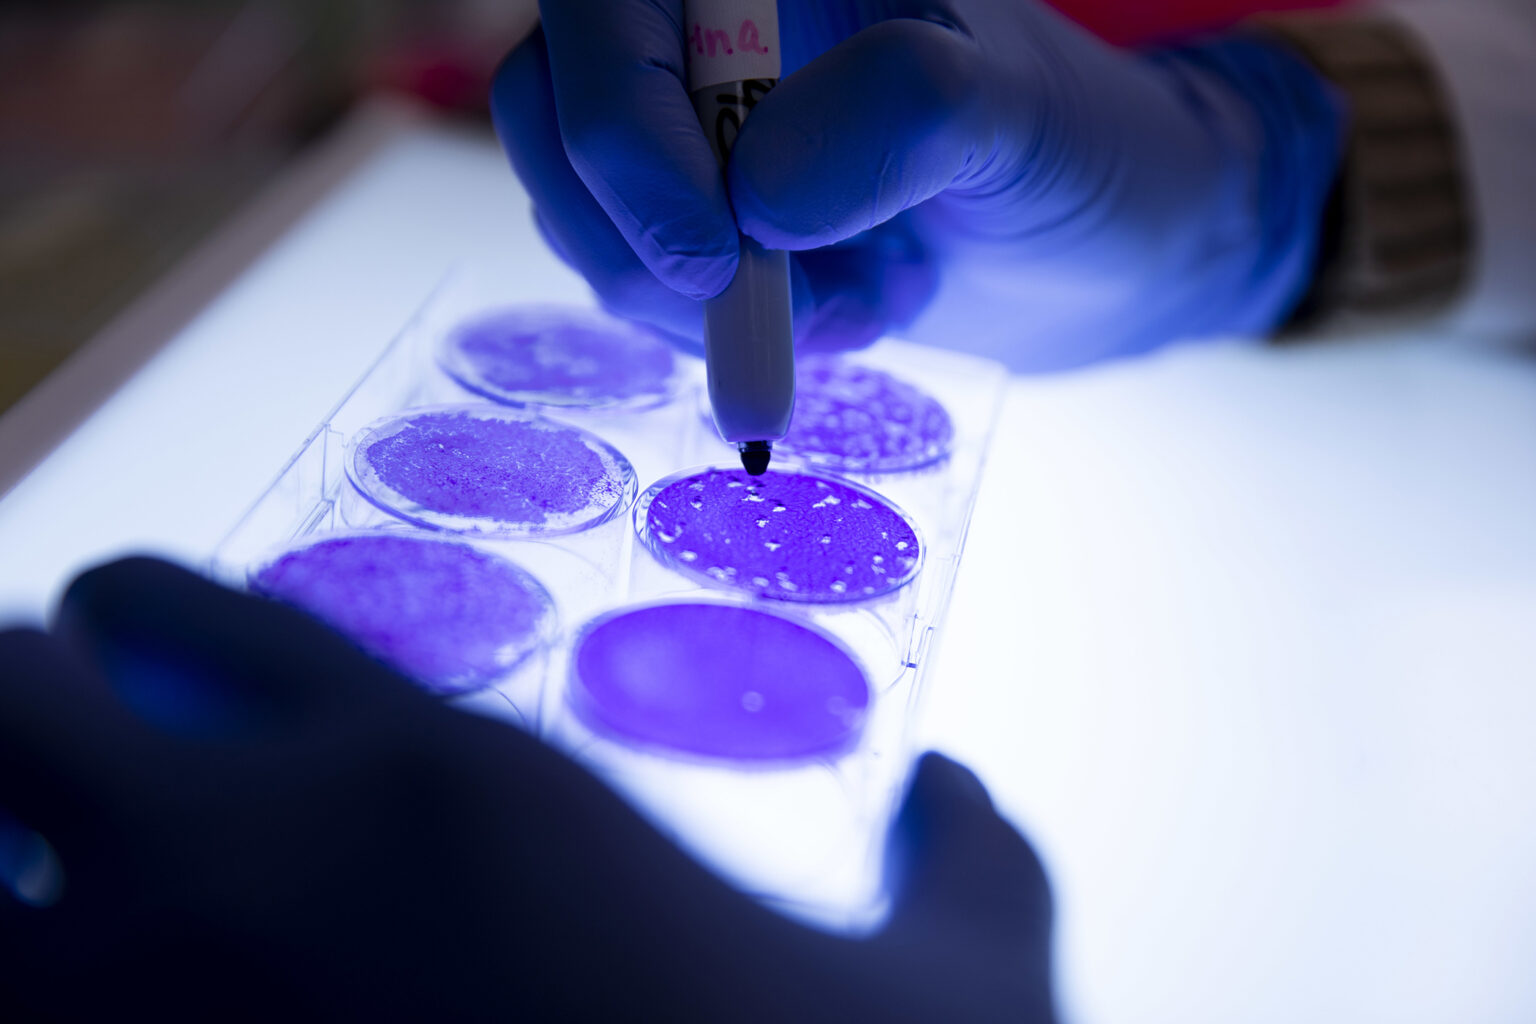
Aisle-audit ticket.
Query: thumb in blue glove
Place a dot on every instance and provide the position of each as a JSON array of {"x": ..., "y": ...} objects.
[{"x": 1098, "y": 201}]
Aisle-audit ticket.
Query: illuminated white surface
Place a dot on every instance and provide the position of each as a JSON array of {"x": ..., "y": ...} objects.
[{"x": 1245, "y": 641}]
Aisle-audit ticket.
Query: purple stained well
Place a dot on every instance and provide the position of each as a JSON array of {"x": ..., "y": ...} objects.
[
  {"x": 857, "y": 419},
  {"x": 448, "y": 615},
  {"x": 478, "y": 468},
  {"x": 788, "y": 536},
  {"x": 719, "y": 681},
  {"x": 550, "y": 355}
]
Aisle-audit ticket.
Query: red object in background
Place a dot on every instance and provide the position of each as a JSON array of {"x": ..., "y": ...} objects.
[
  {"x": 1129, "y": 22},
  {"x": 447, "y": 73}
]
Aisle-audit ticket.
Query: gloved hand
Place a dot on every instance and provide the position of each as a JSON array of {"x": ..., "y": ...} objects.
[
  {"x": 257, "y": 821},
  {"x": 1080, "y": 200}
]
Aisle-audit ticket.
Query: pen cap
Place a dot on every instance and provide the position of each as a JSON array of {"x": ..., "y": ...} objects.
[{"x": 730, "y": 41}]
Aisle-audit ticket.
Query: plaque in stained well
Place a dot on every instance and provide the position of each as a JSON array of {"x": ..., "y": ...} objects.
[
  {"x": 855, "y": 419},
  {"x": 787, "y": 535}
]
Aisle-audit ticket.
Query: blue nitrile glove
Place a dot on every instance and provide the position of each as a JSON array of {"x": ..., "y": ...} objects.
[
  {"x": 1076, "y": 201},
  {"x": 256, "y": 821}
]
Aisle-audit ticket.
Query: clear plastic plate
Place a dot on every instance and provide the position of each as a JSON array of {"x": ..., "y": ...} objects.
[{"x": 804, "y": 836}]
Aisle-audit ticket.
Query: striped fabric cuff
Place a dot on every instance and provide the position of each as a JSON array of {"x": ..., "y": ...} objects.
[{"x": 1399, "y": 242}]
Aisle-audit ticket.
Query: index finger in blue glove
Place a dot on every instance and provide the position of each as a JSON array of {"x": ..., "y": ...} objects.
[
  {"x": 631, "y": 133},
  {"x": 194, "y": 658},
  {"x": 571, "y": 221},
  {"x": 885, "y": 120}
]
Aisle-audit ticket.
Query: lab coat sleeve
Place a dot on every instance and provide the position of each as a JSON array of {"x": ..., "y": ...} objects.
[{"x": 1485, "y": 51}]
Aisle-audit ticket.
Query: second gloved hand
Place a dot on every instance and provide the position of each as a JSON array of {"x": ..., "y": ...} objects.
[
  {"x": 254, "y": 820},
  {"x": 1085, "y": 201}
]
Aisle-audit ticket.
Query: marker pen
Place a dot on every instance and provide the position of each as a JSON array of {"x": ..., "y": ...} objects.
[{"x": 732, "y": 48}]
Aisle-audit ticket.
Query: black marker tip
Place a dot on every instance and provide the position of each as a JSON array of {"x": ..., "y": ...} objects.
[{"x": 755, "y": 456}]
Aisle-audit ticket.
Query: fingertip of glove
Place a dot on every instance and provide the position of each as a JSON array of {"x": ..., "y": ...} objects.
[
  {"x": 940, "y": 777},
  {"x": 952, "y": 854},
  {"x": 697, "y": 273},
  {"x": 118, "y": 583},
  {"x": 691, "y": 244},
  {"x": 942, "y": 793},
  {"x": 778, "y": 223}
]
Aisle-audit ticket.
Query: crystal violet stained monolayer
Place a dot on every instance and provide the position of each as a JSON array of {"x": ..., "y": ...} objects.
[
  {"x": 560, "y": 356},
  {"x": 718, "y": 681},
  {"x": 449, "y": 615},
  {"x": 791, "y": 536},
  {"x": 855, "y": 418},
  {"x": 482, "y": 469}
]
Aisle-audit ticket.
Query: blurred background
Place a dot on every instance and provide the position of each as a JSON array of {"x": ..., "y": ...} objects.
[{"x": 130, "y": 128}]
